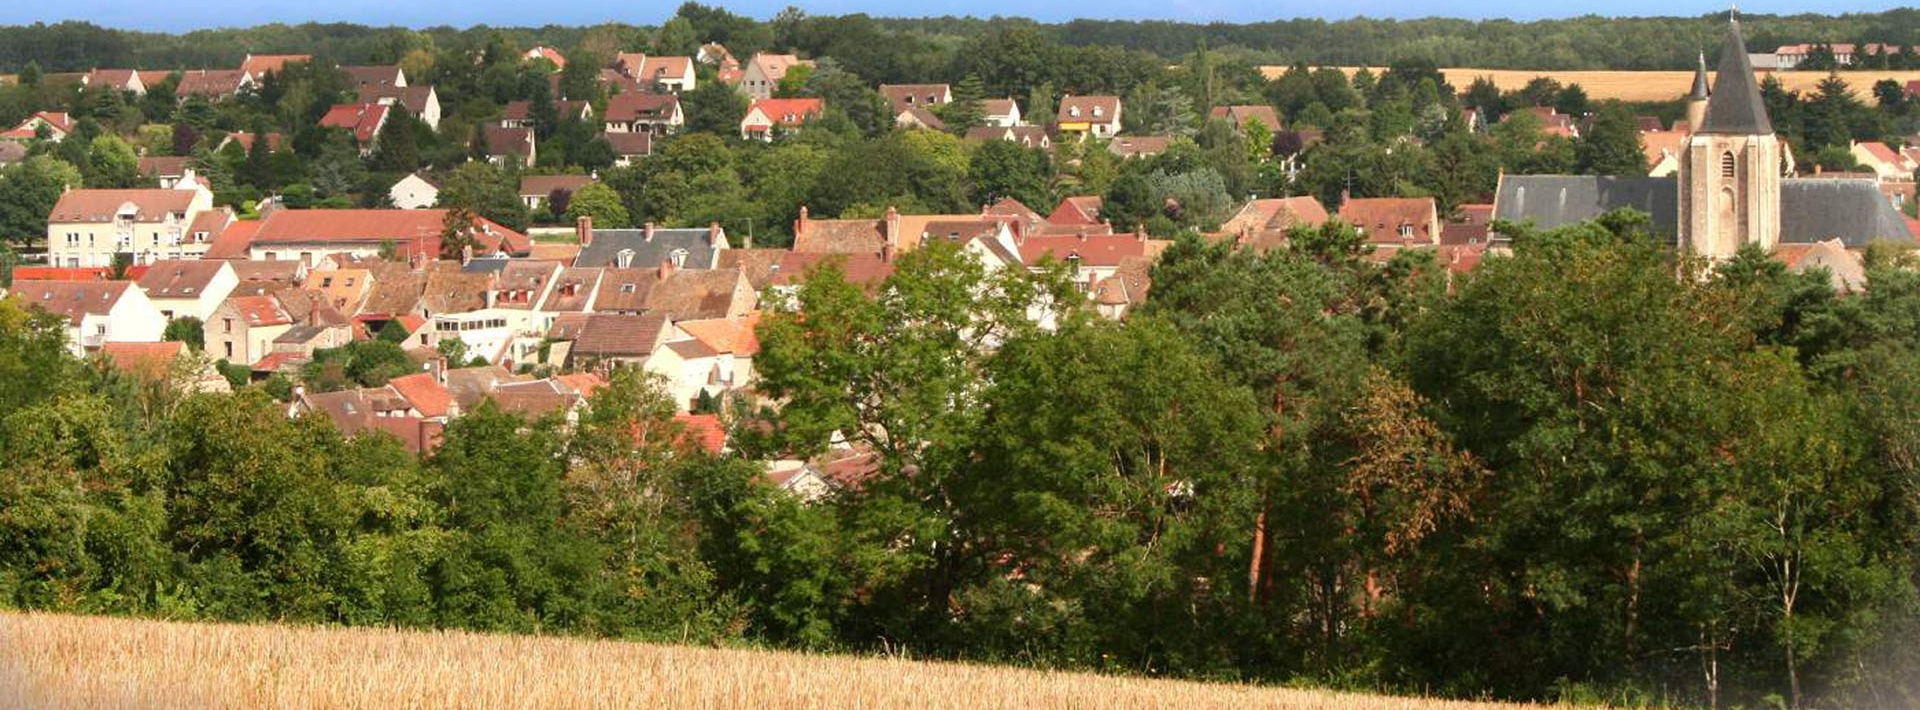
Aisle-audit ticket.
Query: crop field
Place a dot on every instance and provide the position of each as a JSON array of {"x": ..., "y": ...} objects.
[
  {"x": 1641, "y": 85},
  {"x": 71, "y": 662}
]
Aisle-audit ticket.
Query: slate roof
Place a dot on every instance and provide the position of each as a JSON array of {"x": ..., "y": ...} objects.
[
  {"x": 1551, "y": 201},
  {"x": 1735, "y": 108},
  {"x": 606, "y": 245},
  {"x": 1852, "y": 211}
]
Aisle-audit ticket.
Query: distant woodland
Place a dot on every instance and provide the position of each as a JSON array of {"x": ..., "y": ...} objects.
[{"x": 934, "y": 43}]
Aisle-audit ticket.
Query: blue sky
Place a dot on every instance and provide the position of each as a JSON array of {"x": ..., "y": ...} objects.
[{"x": 147, "y": 15}]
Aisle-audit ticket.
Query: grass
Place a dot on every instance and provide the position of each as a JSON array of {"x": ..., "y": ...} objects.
[
  {"x": 75, "y": 663},
  {"x": 1642, "y": 85}
]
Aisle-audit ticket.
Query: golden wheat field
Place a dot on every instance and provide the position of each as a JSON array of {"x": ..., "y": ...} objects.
[
  {"x": 57, "y": 662},
  {"x": 1639, "y": 85}
]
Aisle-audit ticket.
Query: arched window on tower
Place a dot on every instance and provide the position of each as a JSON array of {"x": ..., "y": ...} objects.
[{"x": 1726, "y": 164}]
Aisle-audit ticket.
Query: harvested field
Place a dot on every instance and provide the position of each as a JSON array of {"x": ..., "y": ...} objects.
[
  {"x": 71, "y": 662},
  {"x": 1642, "y": 85}
]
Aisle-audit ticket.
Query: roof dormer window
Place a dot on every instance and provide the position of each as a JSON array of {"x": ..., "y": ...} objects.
[
  {"x": 624, "y": 259},
  {"x": 1073, "y": 111},
  {"x": 1097, "y": 111}
]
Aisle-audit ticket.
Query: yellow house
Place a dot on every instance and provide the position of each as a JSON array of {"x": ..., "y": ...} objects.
[{"x": 91, "y": 227}]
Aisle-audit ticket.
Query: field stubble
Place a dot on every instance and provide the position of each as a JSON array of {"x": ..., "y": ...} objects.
[
  {"x": 73, "y": 663},
  {"x": 1640, "y": 85}
]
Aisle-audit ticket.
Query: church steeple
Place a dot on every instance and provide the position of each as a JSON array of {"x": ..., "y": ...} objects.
[
  {"x": 1736, "y": 108},
  {"x": 1697, "y": 99},
  {"x": 1730, "y": 169}
]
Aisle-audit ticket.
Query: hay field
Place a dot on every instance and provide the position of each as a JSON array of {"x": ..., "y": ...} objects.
[
  {"x": 1640, "y": 85},
  {"x": 68, "y": 663}
]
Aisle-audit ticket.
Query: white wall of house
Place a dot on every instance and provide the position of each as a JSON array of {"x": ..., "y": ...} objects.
[
  {"x": 203, "y": 304},
  {"x": 131, "y": 319},
  {"x": 96, "y": 243},
  {"x": 413, "y": 193}
]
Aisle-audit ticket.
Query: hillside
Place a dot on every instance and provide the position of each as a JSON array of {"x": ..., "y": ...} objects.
[
  {"x": 1639, "y": 85},
  {"x": 70, "y": 662}
]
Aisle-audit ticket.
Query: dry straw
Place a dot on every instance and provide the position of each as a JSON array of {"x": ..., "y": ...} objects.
[{"x": 68, "y": 662}]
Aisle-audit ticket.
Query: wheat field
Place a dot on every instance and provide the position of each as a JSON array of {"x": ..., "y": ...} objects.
[
  {"x": 53, "y": 662},
  {"x": 1639, "y": 85}
]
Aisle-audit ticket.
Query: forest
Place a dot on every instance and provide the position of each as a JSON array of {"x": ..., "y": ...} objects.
[
  {"x": 1590, "y": 42},
  {"x": 1566, "y": 476}
]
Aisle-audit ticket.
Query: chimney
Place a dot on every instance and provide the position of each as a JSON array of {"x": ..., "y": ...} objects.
[
  {"x": 583, "y": 229},
  {"x": 800, "y": 225},
  {"x": 666, "y": 268},
  {"x": 1345, "y": 194},
  {"x": 648, "y": 234},
  {"x": 1140, "y": 230},
  {"x": 892, "y": 234},
  {"x": 716, "y": 236},
  {"x": 466, "y": 254}
]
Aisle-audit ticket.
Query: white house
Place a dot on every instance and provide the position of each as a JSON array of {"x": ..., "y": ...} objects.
[
  {"x": 414, "y": 192},
  {"x": 1098, "y": 116},
  {"x": 188, "y": 288},
  {"x": 97, "y": 312},
  {"x": 1004, "y": 113},
  {"x": 91, "y": 227}
]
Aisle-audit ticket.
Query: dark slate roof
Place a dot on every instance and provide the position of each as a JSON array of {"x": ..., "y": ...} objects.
[
  {"x": 647, "y": 253},
  {"x": 1551, "y": 201},
  {"x": 485, "y": 265},
  {"x": 1735, "y": 108},
  {"x": 1853, "y": 211}
]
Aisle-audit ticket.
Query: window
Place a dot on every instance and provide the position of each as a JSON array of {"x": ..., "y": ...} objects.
[
  {"x": 229, "y": 345},
  {"x": 1074, "y": 111},
  {"x": 228, "y": 322},
  {"x": 624, "y": 259},
  {"x": 1406, "y": 231},
  {"x": 1726, "y": 164}
]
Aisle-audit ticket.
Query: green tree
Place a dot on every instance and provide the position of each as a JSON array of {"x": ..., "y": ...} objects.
[
  {"x": 186, "y": 329},
  {"x": 28, "y": 192},
  {"x": 1611, "y": 146},
  {"x": 111, "y": 163},
  {"x": 600, "y": 203},
  {"x": 487, "y": 191},
  {"x": 1006, "y": 169}
]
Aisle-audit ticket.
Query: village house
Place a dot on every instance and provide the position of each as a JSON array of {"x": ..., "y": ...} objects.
[
  {"x": 767, "y": 119},
  {"x": 648, "y": 247},
  {"x": 670, "y": 75},
  {"x": 388, "y": 76},
  {"x": 413, "y": 192},
  {"x": 506, "y": 317},
  {"x": 211, "y": 84},
  {"x": 658, "y": 114},
  {"x": 54, "y": 124},
  {"x": 608, "y": 340},
  {"x": 363, "y": 120},
  {"x": 97, "y": 312},
  {"x": 91, "y": 227},
  {"x": 1096, "y": 116},
  {"x": 913, "y": 104},
  {"x": 117, "y": 79},
  {"x": 509, "y": 146},
  {"x": 1241, "y": 116},
  {"x": 1003, "y": 113},
  {"x": 256, "y": 67},
  {"x": 188, "y": 288},
  {"x": 1264, "y": 225},
  {"x": 420, "y": 101},
  {"x": 307, "y": 236},
  {"x": 242, "y": 329},
  {"x": 1394, "y": 222},
  {"x": 762, "y": 74},
  {"x": 551, "y": 55},
  {"x": 1887, "y": 164},
  {"x": 629, "y": 147},
  {"x": 1026, "y": 136}
]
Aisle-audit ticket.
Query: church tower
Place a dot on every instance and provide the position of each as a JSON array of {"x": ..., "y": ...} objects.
[
  {"x": 1731, "y": 167},
  {"x": 1697, "y": 99}
]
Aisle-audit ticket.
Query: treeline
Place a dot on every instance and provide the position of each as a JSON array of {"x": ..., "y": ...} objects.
[
  {"x": 1578, "y": 43},
  {"x": 1570, "y": 475}
]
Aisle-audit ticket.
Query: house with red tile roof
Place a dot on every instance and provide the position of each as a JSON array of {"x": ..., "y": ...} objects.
[
  {"x": 766, "y": 119},
  {"x": 509, "y": 146},
  {"x": 703, "y": 431},
  {"x": 188, "y": 288},
  {"x": 1263, "y": 225},
  {"x": 57, "y": 125},
  {"x": 97, "y": 312},
  {"x": 1003, "y": 113},
  {"x": 661, "y": 75},
  {"x": 1026, "y": 136},
  {"x": 713, "y": 356},
  {"x": 421, "y": 101},
  {"x": 257, "y": 66},
  {"x": 1077, "y": 210},
  {"x": 629, "y": 147},
  {"x": 89, "y": 227},
  {"x": 363, "y": 120},
  {"x": 211, "y": 84},
  {"x": 658, "y": 114},
  {"x": 761, "y": 75},
  {"x": 1096, "y": 116},
  {"x": 116, "y": 79},
  {"x": 1394, "y": 222},
  {"x": 275, "y": 141},
  {"x": 242, "y": 329},
  {"x": 1887, "y": 164},
  {"x": 1241, "y": 115},
  {"x": 307, "y": 236},
  {"x": 550, "y": 54}
]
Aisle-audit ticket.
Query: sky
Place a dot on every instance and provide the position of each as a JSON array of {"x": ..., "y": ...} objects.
[{"x": 195, "y": 14}]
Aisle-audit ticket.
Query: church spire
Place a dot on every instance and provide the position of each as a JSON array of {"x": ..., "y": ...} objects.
[
  {"x": 1699, "y": 92},
  {"x": 1735, "y": 107}
]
